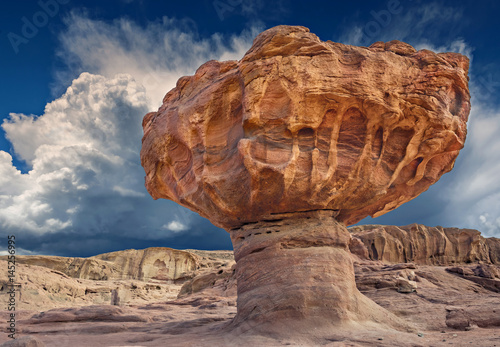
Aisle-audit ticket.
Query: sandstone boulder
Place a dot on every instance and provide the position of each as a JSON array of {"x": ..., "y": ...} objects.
[
  {"x": 300, "y": 124},
  {"x": 293, "y": 142}
]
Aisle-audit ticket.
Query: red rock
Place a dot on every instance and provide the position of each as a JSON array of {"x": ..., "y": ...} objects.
[
  {"x": 300, "y": 124},
  {"x": 293, "y": 142}
]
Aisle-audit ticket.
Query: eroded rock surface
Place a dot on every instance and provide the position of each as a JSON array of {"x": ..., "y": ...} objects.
[
  {"x": 447, "y": 309},
  {"x": 296, "y": 275},
  {"x": 423, "y": 245},
  {"x": 119, "y": 278},
  {"x": 300, "y": 124},
  {"x": 290, "y": 144},
  {"x": 159, "y": 263}
]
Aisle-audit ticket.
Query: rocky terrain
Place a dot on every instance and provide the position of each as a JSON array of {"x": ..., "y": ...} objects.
[
  {"x": 123, "y": 277},
  {"x": 449, "y": 302},
  {"x": 423, "y": 245}
]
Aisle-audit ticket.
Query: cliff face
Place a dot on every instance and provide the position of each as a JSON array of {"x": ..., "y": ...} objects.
[
  {"x": 423, "y": 245},
  {"x": 152, "y": 263}
]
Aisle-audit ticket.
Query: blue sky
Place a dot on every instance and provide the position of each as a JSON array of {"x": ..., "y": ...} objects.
[{"x": 78, "y": 76}]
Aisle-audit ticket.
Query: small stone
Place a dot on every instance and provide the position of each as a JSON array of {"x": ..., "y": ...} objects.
[
  {"x": 420, "y": 335},
  {"x": 406, "y": 286},
  {"x": 470, "y": 327},
  {"x": 455, "y": 335}
]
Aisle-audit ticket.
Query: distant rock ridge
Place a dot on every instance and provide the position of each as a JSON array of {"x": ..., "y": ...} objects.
[
  {"x": 414, "y": 243},
  {"x": 120, "y": 278},
  {"x": 423, "y": 245},
  {"x": 158, "y": 263}
]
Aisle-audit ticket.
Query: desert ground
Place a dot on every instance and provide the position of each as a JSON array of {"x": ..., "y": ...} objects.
[{"x": 165, "y": 297}]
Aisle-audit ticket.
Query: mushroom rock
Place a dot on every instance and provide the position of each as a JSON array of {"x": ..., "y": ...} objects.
[{"x": 298, "y": 139}]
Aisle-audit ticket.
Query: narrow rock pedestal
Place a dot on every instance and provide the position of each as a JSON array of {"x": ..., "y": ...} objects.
[{"x": 295, "y": 276}]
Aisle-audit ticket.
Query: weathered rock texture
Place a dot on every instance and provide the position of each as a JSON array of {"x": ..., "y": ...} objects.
[
  {"x": 158, "y": 263},
  {"x": 423, "y": 245},
  {"x": 296, "y": 274},
  {"x": 300, "y": 124},
  {"x": 449, "y": 307},
  {"x": 291, "y": 143},
  {"x": 51, "y": 282}
]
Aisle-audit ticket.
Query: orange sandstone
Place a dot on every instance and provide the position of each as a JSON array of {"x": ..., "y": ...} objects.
[
  {"x": 293, "y": 142},
  {"x": 299, "y": 124}
]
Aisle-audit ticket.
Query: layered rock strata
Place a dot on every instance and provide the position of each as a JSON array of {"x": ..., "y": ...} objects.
[
  {"x": 158, "y": 263},
  {"x": 293, "y": 142},
  {"x": 423, "y": 245},
  {"x": 299, "y": 124}
]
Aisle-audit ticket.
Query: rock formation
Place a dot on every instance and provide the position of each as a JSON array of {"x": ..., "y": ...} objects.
[
  {"x": 455, "y": 305},
  {"x": 152, "y": 263},
  {"x": 423, "y": 245},
  {"x": 293, "y": 142},
  {"x": 122, "y": 277},
  {"x": 299, "y": 124}
]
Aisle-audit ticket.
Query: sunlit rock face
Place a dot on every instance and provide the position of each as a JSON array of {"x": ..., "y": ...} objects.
[
  {"x": 300, "y": 124},
  {"x": 290, "y": 144}
]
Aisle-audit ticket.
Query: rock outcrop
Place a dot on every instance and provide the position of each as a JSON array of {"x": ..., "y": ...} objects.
[
  {"x": 423, "y": 245},
  {"x": 159, "y": 263},
  {"x": 296, "y": 275},
  {"x": 293, "y": 142},
  {"x": 448, "y": 306},
  {"x": 118, "y": 278},
  {"x": 299, "y": 124}
]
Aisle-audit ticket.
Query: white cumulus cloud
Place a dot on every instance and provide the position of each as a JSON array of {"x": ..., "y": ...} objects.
[
  {"x": 85, "y": 176},
  {"x": 155, "y": 55},
  {"x": 175, "y": 226},
  {"x": 82, "y": 148}
]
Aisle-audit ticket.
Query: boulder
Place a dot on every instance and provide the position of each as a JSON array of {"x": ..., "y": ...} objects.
[
  {"x": 287, "y": 146},
  {"x": 300, "y": 124}
]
